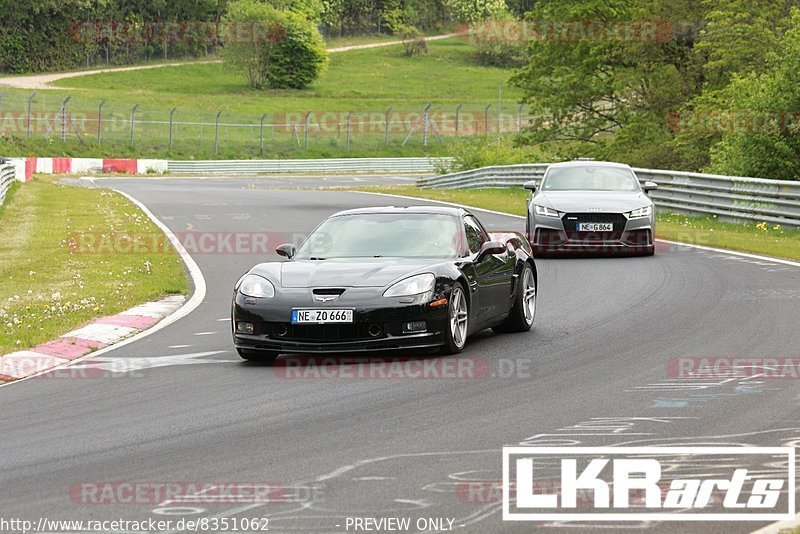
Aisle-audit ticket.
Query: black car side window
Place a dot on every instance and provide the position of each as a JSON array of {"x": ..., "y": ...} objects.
[{"x": 476, "y": 236}]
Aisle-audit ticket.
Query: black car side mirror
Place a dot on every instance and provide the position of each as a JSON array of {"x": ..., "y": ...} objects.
[
  {"x": 649, "y": 186},
  {"x": 287, "y": 250},
  {"x": 530, "y": 186},
  {"x": 490, "y": 247}
]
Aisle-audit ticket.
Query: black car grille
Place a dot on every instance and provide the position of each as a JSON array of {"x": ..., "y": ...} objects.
[
  {"x": 571, "y": 220},
  {"x": 326, "y": 332}
]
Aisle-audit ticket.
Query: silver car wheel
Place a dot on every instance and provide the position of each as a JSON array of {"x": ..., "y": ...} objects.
[
  {"x": 529, "y": 296},
  {"x": 458, "y": 317}
]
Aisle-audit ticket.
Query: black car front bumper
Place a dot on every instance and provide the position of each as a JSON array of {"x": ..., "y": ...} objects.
[{"x": 378, "y": 323}]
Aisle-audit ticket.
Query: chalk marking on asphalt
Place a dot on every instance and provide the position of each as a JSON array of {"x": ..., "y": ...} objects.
[
  {"x": 188, "y": 307},
  {"x": 676, "y": 243},
  {"x": 179, "y": 346},
  {"x": 204, "y": 333}
]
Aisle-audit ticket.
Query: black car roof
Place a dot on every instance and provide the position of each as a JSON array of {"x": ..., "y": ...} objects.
[{"x": 432, "y": 210}]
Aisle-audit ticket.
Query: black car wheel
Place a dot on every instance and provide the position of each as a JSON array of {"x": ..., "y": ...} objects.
[
  {"x": 458, "y": 321},
  {"x": 262, "y": 356},
  {"x": 521, "y": 317}
]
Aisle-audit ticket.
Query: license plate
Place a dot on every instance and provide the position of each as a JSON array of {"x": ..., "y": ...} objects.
[
  {"x": 595, "y": 227},
  {"x": 322, "y": 316}
]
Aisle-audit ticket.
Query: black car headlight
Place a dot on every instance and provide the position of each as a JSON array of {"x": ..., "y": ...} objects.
[
  {"x": 253, "y": 285},
  {"x": 413, "y": 285}
]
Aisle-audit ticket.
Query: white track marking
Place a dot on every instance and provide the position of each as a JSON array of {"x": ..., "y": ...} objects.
[{"x": 189, "y": 306}]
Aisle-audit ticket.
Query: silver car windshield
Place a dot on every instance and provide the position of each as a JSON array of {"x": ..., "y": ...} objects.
[
  {"x": 376, "y": 235},
  {"x": 590, "y": 179}
]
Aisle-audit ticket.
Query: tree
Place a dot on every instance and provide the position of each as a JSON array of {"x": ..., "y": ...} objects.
[
  {"x": 474, "y": 11},
  {"x": 596, "y": 68},
  {"x": 273, "y": 48},
  {"x": 761, "y": 137}
]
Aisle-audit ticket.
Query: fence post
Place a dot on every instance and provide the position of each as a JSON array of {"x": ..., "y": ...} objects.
[
  {"x": 519, "y": 117},
  {"x": 100, "y": 122},
  {"x": 425, "y": 125},
  {"x": 216, "y": 133},
  {"x": 386, "y": 120},
  {"x": 261, "y": 142},
  {"x": 458, "y": 115},
  {"x": 499, "y": 107},
  {"x": 305, "y": 122},
  {"x": 171, "y": 113},
  {"x": 133, "y": 116},
  {"x": 64, "y": 119},
  {"x": 30, "y": 102},
  {"x": 486, "y": 120},
  {"x": 348, "y": 129}
]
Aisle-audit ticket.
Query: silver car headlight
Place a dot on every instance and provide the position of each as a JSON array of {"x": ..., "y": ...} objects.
[
  {"x": 640, "y": 212},
  {"x": 253, "y": 285},
  {"x": 414, "y": 285},
  {"x": 545, "y": 211}
]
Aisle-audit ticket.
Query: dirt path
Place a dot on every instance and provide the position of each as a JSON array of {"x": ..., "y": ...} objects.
[{"x": 44, "y": 81}]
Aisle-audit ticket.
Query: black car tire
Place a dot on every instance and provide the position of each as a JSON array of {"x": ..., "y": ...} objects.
[
  {"x": 457, "y": 306},
  {"x": 262, "y": 356},
  {"x": 523, "y": 313}
]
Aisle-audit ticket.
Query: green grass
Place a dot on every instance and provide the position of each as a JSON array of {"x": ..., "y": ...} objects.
[
  {"x": 365, "y": 82},
  {"x": 757, "y": 238},
  {"x": 52, "y": 281},
  {"x": 370, "y": 79}
]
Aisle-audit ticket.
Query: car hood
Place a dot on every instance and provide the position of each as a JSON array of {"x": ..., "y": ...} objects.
[
  {"x": 604, "y": 201},
  {"x": 379, "y": 272}
]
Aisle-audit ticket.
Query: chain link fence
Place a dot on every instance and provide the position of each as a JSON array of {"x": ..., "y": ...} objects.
[{"x": 76, "y": 121}]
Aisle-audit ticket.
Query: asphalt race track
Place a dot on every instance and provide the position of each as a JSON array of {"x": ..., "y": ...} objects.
[{"x": 182, "y": 405}]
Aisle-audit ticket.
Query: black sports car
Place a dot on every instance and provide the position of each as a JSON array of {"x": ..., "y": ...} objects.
[{"x": 384, "y": 279}]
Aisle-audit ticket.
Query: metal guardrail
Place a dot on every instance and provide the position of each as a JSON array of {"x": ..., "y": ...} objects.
[
  {"x": 313, "y": 166},
  {"x": 7, "y": 177},
  {"x": 727, "y": 197}
]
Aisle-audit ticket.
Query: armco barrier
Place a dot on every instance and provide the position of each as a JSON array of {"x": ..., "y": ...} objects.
[
  {"x": 8, "y": 175},
  {"x": 728, "y": 197},
  {"x": 312, "y": 166}
]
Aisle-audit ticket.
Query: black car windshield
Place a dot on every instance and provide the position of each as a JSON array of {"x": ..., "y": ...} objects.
[
  {"x": 590, "y": 178},
  {"x": 404, "y": 235}
]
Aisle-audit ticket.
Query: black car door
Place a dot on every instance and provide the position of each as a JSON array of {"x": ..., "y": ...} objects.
[{"x": 491, "y": 287}]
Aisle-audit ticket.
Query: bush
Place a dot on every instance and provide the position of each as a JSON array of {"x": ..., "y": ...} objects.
[
  {"x": 475, "y": 152},
  {"x": 414, "y": 43},
  {"x": 498, "y": 45},
  {"x": 286, "y": 50}
]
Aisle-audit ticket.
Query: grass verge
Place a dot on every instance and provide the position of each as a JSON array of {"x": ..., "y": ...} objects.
[
  {"x": 49, "y": 285},
  {"x": 365, "y": 82},
  {"x": 757, "y": 238}
]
